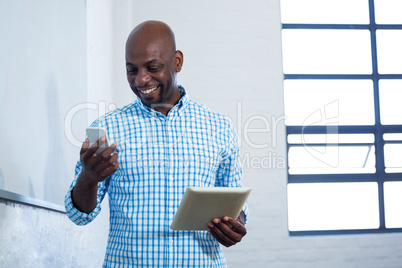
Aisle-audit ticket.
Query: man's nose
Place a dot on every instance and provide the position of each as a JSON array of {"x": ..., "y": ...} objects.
[{"x": 142, "y": 78}]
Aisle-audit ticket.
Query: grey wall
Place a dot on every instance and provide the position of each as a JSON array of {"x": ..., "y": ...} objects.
[{"x": 35, "y": 237}]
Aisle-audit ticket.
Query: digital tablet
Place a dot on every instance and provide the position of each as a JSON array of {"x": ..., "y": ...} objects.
[{"x": 200, "y": 205}]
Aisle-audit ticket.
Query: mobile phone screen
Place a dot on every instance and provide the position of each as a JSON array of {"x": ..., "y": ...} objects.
[{"x": 94, "y": 134}]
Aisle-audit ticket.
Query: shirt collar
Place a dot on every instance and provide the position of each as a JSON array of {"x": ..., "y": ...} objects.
[
  {"x": 178, "y": 108},
  {"x": 183, "y": 102}
]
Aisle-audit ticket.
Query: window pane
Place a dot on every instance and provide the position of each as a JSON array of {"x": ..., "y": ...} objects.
[
  {"x": 332, "y": 206},
  {"x": 331, "y": 159},
  {"x": 392, "y": 136},
  {"x": 390, "y": 101},
  {"x": 326, "y": 51},
  {"x": 393, "y": 158},
  {"x": 389, "y": 43},
  {"x": 388, "y": 11},
  {"x": 330, "y": 138},
  {"x": 329, "y": 102},
  {"x": 393, "y": 204},
  {"x": 325, "y": 11}
]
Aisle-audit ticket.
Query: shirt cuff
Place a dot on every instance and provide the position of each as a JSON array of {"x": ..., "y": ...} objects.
[
  {"x": 245, "y": 210},
  {"x": 76, "y": 216}
]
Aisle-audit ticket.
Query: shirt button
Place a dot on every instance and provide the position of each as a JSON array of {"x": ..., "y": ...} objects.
[
  {"x": 171, "y": 150},
  {"x": 170, "y": 209},
  {"x": 171, "y": 178},
  {"x": 170, "y": 242}
]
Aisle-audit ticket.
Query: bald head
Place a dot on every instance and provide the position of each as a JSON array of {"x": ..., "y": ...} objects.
[
  {"x": 153, "y": 31},
  {"x": 152, "y": 64}
]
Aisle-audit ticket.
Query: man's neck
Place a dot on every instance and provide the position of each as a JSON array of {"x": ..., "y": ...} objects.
[{"x": 164, "y": 108}]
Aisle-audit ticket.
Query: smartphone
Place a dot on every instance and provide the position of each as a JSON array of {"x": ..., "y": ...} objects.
[{"x": 94, "y": 134}]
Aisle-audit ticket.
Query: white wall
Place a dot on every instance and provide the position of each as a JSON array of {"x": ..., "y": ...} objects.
[
  {"x": 232, "y": 59},
  {"x": 36, "y": 237},
  {"x": 42, "y": 74}
]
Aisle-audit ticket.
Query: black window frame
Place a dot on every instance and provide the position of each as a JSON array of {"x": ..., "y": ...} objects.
[{"x": 380, "y": 176}]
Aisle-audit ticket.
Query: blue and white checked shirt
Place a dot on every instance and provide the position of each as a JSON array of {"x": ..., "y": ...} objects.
[{"x": 159, "y": 157}]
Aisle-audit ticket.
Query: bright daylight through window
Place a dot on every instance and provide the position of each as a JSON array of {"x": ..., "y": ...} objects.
[{"x": 342, "y": 64}]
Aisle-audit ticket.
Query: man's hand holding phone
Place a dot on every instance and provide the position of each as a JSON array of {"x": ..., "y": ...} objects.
[
  {"x": 98, "y": 166},
  {"x": 99, "y": 161}
]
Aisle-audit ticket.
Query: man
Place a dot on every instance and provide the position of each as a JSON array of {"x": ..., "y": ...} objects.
[{"x": 165, "y": 143}]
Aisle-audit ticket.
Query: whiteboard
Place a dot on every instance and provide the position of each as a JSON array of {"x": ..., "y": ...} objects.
[{"x": 42, "y": 77}]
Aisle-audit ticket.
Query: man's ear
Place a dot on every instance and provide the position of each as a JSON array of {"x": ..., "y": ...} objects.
[{"x": 178, "y": 60}]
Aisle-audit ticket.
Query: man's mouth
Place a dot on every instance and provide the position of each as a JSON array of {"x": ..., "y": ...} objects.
[{"x": 147, "y": 91}]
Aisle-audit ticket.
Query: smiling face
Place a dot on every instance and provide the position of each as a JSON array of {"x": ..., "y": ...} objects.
[{"x": 152, "y": 64}]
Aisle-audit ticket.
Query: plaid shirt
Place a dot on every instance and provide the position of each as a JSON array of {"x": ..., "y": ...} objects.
[{"x": 159, "y": 157}]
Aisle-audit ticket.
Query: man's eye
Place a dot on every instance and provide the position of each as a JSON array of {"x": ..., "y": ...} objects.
[
  {"x": 131, "y": 71},
  {"x": 154, "y": 69}
]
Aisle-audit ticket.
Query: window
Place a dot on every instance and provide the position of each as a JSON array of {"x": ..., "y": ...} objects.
[{"x": 342, "y": 66}]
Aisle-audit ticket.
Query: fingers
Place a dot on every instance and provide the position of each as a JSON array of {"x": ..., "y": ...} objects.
[
  {"x": 227, "y": 231},
  {"x": 85, "y": 146},
  {"x": 106, "y": 163},
  {"x": 237, "y": 226},
  {"x": 220, "y": 236},
  {"x": 88, "y": 153},
  {"x": 98, "y": 167},
  {"x": 110, "y": 170},
  {"x": 105, "y": 160},
  {"x": 108, "y": 151}
]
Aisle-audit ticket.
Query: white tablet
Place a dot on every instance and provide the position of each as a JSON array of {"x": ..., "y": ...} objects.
[{"x": 200, "y": 205}]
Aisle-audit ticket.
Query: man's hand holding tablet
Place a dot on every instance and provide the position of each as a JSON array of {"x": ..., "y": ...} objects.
[
  {"x": 216, "y": 209},
  {"x": 228, "y": 231}
]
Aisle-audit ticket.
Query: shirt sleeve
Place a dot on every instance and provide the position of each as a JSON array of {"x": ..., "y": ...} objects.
[
  {"x": 230, "y": 171},
  {"x": 76, "y": 216}
]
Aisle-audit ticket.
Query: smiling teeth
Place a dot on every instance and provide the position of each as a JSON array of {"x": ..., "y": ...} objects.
[{"x": 148, "y": 90}]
